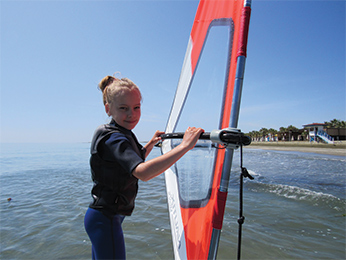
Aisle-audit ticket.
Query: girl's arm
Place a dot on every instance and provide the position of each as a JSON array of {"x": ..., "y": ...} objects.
[
  {"x": 150, "y": 145},
  {"x": 154, "y": 167}
]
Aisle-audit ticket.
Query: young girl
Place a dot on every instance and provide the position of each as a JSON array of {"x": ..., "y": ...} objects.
[{"x": 117, "y": 162}]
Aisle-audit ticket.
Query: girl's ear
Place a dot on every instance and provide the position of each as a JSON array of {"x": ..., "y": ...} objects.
[{"x": 107, "y": 109}]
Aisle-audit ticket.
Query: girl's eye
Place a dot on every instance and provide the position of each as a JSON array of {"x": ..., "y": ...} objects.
[
  {"x": 123, "y": 108},
  {"x": 138, "y": 107}
]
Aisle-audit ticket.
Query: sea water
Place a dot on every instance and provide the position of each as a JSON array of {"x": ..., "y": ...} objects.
[{"x": 294, "y": 209}]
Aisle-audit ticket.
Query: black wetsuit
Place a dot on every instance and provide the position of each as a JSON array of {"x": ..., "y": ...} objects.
[{"x": 115, "y": 153}]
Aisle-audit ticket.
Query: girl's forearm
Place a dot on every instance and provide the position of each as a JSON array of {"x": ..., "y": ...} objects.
[
  {"x": 148, "y": 147},
  {"x": 154, "y": 167},
  {"x": 150, "y": 169}
]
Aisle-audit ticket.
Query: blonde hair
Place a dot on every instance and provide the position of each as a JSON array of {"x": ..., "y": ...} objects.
[{"x": 112, "y": 87}]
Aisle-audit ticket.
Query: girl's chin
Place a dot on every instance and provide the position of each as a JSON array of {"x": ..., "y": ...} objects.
[{"x": 129, "y": 125}]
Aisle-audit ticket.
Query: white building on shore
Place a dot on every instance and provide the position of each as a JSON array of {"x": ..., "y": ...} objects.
[{"x": 316, "y": 133}]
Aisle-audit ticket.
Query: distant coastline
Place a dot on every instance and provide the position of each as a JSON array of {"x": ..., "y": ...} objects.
[{"x": 339, "y": 148}]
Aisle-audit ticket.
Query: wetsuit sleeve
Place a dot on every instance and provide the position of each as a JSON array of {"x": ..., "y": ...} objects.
[{"x": 118, "y": 148}]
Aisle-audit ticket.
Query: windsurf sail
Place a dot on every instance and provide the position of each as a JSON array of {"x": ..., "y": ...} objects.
[{"x": 208, "y": 96}]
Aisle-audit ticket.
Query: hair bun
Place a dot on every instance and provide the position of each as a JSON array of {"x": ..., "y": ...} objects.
[
  {"x": 112, "y": 86},
  {"x": 105, "y": 82}
]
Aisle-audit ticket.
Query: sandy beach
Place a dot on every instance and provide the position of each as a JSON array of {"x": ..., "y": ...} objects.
[{"x": 339, "y": 148}]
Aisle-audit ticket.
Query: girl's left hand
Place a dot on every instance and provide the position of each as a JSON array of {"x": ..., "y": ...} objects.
[
  {"x": 150, "y": 145},
  {"x": 156, "y": 138}
]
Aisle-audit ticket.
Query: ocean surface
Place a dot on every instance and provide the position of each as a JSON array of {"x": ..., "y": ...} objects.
[{"x": 294, "y": 209}]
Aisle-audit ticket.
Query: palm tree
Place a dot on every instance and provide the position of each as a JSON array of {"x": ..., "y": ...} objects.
[
  {"x": 282, "y": 132},
  {"x": 272, "y": 132},
  {"x": 291, "y": 129},
  {"x": 263, "y": 131},
  {"x": 305, "y": 134},
  {"x": 249, "y": 134},
  {"x": 335, "y": 123},
  {"x": 254, "y": 135}
]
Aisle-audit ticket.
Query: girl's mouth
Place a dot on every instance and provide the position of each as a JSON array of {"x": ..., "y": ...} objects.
[{"x": 131, "y": 122}]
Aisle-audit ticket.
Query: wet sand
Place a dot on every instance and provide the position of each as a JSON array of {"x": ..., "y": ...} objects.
[{"x": 338, "y": 149}]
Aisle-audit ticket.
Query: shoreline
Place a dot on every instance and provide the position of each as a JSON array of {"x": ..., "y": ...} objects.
[{"x": 338, "y": 149}]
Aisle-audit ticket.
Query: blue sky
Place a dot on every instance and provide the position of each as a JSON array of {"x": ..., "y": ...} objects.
[{"x": 53, "y": 54}]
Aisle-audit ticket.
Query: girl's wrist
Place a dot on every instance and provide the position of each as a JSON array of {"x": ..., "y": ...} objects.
[{"x": 184, "y": 148}]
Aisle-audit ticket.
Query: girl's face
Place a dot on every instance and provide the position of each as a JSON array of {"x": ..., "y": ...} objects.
[{"x": 126, "y": 109}]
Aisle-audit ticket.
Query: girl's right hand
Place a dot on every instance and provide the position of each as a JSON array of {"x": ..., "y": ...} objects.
[{"x": 191, "y": 137}]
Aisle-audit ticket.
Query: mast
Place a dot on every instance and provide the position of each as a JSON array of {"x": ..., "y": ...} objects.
[{"x": 238, "y": 87}]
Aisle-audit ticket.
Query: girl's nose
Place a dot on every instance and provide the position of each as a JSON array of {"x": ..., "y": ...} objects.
[{"x": 130, "y": 112}]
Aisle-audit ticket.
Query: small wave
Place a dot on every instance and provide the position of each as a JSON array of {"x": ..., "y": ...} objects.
[
  {"x": 297, "y": 193},
  {"x": 300, "y": 194}
]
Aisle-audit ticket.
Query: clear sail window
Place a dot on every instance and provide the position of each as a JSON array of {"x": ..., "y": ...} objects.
[{"x": 202, "y": 109}]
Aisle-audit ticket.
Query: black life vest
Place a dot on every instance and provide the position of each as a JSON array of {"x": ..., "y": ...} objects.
[{"x": 114, "y": 190}]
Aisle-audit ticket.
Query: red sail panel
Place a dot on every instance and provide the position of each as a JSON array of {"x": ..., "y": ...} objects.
[{"x": 199, "y": 222}]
